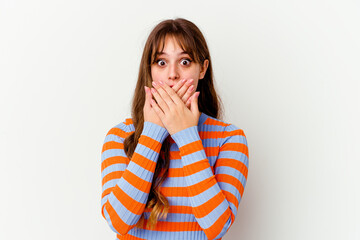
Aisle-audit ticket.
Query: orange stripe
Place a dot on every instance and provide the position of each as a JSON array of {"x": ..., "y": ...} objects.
[
  {"x": 137, "y": 182},
  {"x": 229, "y": 162},
  {"x": 231, "y": 198},
  {"x": 209, "y": 151},
  {"x": 112, "y": 176},
  {"x": 174, "y": 191},
  {"x": 112, "y": 145},
  {"x": 196, "y": 167},
  {"x": 207, "y": 207},
  {"x": 176, "y": 172},
  {"x": 179, "y": 172},
  {"x": 214, "y": 134},
  {"x": 106, "y": 192},
  {"x": 210, "y": 121},
  {"x": 217, "y": 227},
  {"x": 191, "y": 148},
  {"x": 238, "y": 147},
  {"x": 181, "y": 209},
  {"x": 114, "y": 160},
  {"x": 128, "y": 121},
  {"x": 143, "y": 162},
  {"x": 234, "y": 133},
  {"x": 128, "y": 237},
  {"x": 118, "y": 132},
  {"x": 231, "y": 180},
  {"x": 150, "y": 143},
  {"x": 174, "y": 226},
  {"x": 201, "y": 186},
  {"x": 175, "y": 155},
  {"x": 220, "y": 134},
  {"x": 128, "y": 201},
  {"x": 176, "y": 209}
]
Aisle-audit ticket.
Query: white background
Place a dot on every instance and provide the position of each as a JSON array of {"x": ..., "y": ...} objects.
[{"x": 288, "y": 74}]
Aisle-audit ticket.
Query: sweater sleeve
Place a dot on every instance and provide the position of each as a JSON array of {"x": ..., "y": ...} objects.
[
  {"x": 214, "y": 196},
  {"x": 126, "y": 183}
]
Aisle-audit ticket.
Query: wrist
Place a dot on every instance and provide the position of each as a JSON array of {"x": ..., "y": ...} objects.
[{"x": 154, "y": 131}]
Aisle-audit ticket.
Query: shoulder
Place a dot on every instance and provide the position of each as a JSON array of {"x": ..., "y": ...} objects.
[{"x": 122, "y": 129}]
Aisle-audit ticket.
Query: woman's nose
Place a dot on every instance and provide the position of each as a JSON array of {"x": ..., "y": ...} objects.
[{"x": 173, "y": 72}]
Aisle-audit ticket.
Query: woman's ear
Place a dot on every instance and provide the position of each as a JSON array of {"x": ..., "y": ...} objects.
[{"x": 204, "y": 68}]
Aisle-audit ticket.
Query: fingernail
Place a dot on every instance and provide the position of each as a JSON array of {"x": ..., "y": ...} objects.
[
  {"x": 184, "y": 80},
  {"x": 191, "y": 80},
  {"x": 161, "y": 83},
  {"x": 154, "y": 83}
]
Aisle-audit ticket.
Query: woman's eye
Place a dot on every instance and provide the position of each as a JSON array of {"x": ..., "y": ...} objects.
[
  {"x": 186, "y": 61},
  {"x": 160, "y": 62}
]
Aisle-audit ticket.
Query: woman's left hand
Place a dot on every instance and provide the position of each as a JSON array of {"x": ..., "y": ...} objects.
[{"x": 171, "y": 109}]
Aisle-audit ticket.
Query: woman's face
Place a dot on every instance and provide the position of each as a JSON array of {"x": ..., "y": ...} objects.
[{"x": 173, "y": 64}]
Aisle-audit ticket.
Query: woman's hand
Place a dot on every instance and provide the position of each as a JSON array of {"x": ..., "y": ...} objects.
[
  {"x": 149, "y": 113},
  {"x": 172, "y": 111},
  {"x": 184, "y": 90}
]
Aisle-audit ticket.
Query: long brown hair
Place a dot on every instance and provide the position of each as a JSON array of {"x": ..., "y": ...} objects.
[{"x": 191, "y": 40}]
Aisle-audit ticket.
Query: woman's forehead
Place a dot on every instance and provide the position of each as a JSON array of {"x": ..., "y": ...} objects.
[{"x": 178, "y": 41}]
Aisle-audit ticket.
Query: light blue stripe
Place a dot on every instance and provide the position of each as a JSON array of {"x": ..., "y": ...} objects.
[
  {"x": 237, "y": 139},
  {"x": 231, "y": 128},
  {"x": 109, "y": 184},
  {"x": 211, "y": 128},
  {"x": 113, "y": 168},
  {"x": 233, "y": 208},
  {"x": 175, "y": 217},
  {"x": 113, "y": 137},
  {"x": 145, "y": 151},
  {"x": 103, "y": 200},
  {"x": 176, "y": 163},
  {"x": 199, "y": 176},
  {"x": 122, "y": 126},
  {"x": 174, "y": 182},
  {"x": 161, "y": 235},
  {"x": 154, "y": 131},
  {"x": 112, "y": 153},
  {"x": 179, "y": 201},
  {"x": 186, "y": 136},
  {"x": 193, "y": 157}
]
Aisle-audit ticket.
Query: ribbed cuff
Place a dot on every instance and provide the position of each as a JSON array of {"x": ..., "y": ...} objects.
[
  {"x": 155, "y": 131},
  {"x": 186, "y": 136}
]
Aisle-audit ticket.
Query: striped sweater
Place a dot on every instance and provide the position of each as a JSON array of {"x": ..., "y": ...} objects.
[{"x": 206, "y": 180}]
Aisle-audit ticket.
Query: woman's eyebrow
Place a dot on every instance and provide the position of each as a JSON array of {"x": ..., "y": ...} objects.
[{"x": 164, "y": 53}]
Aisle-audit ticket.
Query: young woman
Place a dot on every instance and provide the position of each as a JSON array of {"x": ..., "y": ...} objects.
[{"x": 174, "y": 170}]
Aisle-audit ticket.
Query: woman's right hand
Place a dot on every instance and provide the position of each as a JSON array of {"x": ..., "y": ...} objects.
[
  {"x": 184, "y": 89},
  {"x": 149, "y": 113}
]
